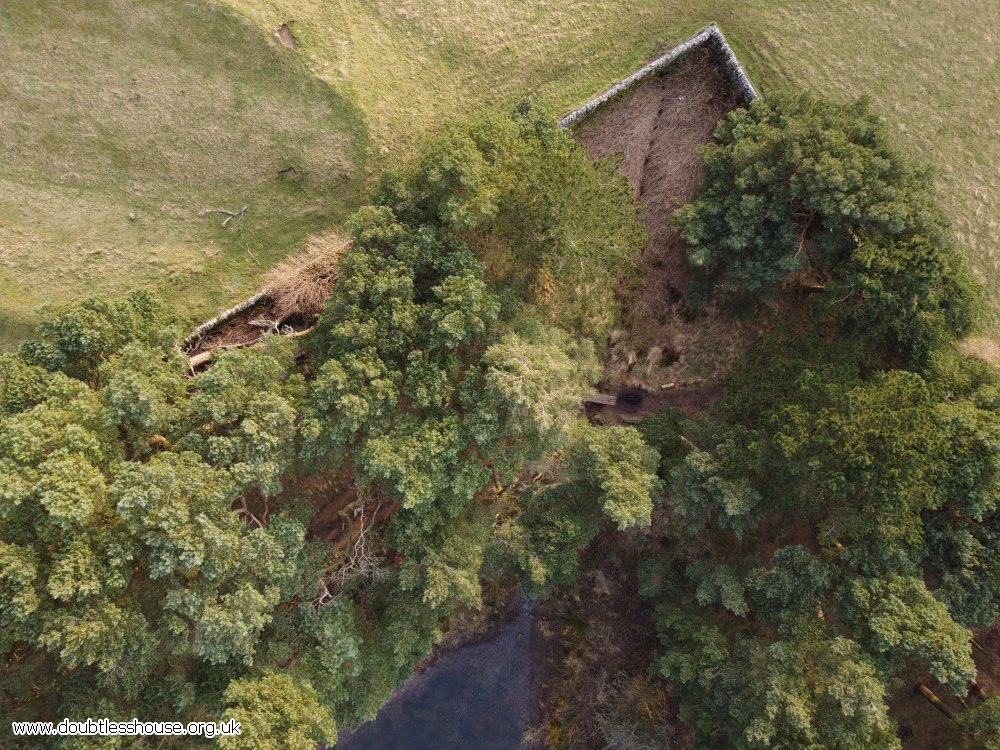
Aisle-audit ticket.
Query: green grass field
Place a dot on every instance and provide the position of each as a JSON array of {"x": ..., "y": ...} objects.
[
  {"x": 122, "y": 121},
  {"x": 932, "y": 67}
]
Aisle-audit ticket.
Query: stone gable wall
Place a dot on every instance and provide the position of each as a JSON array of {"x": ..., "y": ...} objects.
[{"x": 710, "y": 35}]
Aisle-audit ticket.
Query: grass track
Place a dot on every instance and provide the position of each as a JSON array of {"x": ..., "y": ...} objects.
[{"x": 157, "y": 109}]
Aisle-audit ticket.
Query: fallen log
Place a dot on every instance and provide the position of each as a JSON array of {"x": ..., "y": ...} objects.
[
  {"x": 206, "y": 356},
  {"x": 934, "y": 700},
  {"x": 201, "y": 358}
]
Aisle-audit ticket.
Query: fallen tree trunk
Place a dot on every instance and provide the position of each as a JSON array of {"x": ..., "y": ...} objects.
[
  {"x": 934, "y": 700},
  {"x": 206, "y": 356},
  {"x": 199, "y": 359}
]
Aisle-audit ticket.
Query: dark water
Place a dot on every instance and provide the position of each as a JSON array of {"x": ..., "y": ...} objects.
[{"x": 474, "y": 698}]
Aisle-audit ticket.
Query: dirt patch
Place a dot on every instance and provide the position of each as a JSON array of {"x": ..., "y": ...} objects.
[
  {"x": 284, "y": 35},
  {"x": 656, "y": 129},
  {"x": 250, "y": 327},
  {"x": 632, "y": 403},
  {"x": 921, "y": 725},
  {"x": 333, "y": 515},
  {"x": 592, "y": 647},
  {"x": 237, "y": 331},
  {"x": 986, "y": 651}
]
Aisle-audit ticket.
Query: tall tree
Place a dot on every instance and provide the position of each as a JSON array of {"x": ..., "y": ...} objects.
[
  {"x": 129, "y": 570},
  {"x": 800, "y": 185}
]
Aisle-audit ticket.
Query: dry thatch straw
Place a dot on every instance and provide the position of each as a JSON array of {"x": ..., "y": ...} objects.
[
  {"x": 981, "y": 347},
  {"x": 300, "y": 284}
]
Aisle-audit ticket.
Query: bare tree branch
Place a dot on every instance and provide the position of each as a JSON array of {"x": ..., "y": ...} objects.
[
  {"x": 230, "y": 215},
  {"x": 362, "y": 561}
]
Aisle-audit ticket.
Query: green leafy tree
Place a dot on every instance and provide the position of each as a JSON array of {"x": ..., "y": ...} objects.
[
  {"x": 978, "y": 727},
  {"x": 276, "y": 712},
  {"x": 794, "y": 694},
  {"x": 809, "y": 186},
  {"x": 835, "y": 518},
  {"x": 608, "y": 475},
  {"x": 899, "y": 617},
  {"x": 131, "y": 565},
  {"x": 78, "y": 337},
  {"x": 550, "y": 224},
  {"x": 464, "y": 328},
  {"x": 883, "y": 478}
]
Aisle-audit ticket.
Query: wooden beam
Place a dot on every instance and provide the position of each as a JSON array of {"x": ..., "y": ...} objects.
[{"x": 600, "y": 398}]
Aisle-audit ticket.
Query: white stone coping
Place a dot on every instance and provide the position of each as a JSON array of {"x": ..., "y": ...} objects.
[{"x": 711, "y": 34}]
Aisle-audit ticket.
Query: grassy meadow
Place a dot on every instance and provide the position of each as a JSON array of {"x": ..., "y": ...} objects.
[
  {"x": 121, "y": 122},
  {"x": 226, "y": 107}
]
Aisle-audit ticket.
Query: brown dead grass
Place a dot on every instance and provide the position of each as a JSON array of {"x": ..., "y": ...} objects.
[
  {"x": 296, "y": 292},
  {"x": 300, "y": 284},
  {"x": 981, "y": 347},
  {"x": 592, "y": 642}
]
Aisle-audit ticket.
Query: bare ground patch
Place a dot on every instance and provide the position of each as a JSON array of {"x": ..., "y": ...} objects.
[
  {"x": 921, "y": 725},
  {"x": 285, "y": 36},
  {"x": 656, "y": 129},
  {"x": 296, "y": 291},
  {"x": 593, "y": 645}
]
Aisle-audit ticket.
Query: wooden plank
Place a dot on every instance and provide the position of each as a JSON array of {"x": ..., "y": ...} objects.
[{"x": 601, "y": 398}]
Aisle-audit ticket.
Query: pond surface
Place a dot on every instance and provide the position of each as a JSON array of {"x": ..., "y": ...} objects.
[{"x": 477, "y": 697}]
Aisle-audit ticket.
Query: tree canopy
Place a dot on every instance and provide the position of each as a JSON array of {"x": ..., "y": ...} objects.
[
  {"x": 796, "y": 186},
  {"x": 808, "y": 524},
  {"x": 834, "y": 519},
  {"x": 155, "y": 552}
]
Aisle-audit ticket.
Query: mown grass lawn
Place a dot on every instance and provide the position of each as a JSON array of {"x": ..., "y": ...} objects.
[
  {"x": 121, "y": 121},
  {"x": 163, "y": 108}
]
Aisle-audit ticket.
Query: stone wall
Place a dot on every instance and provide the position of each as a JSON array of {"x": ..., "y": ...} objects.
[
  {"x": 710, "y": 35},
  {"x": 224, "y": 317}
]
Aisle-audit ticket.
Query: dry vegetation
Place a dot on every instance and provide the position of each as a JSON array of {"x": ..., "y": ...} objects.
[
  {"x": 982, "y": 347},
  {"x": 300, "y": 284},
  {"x": 593, "y": 646},
  {"x": 655, "y": 130}
]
